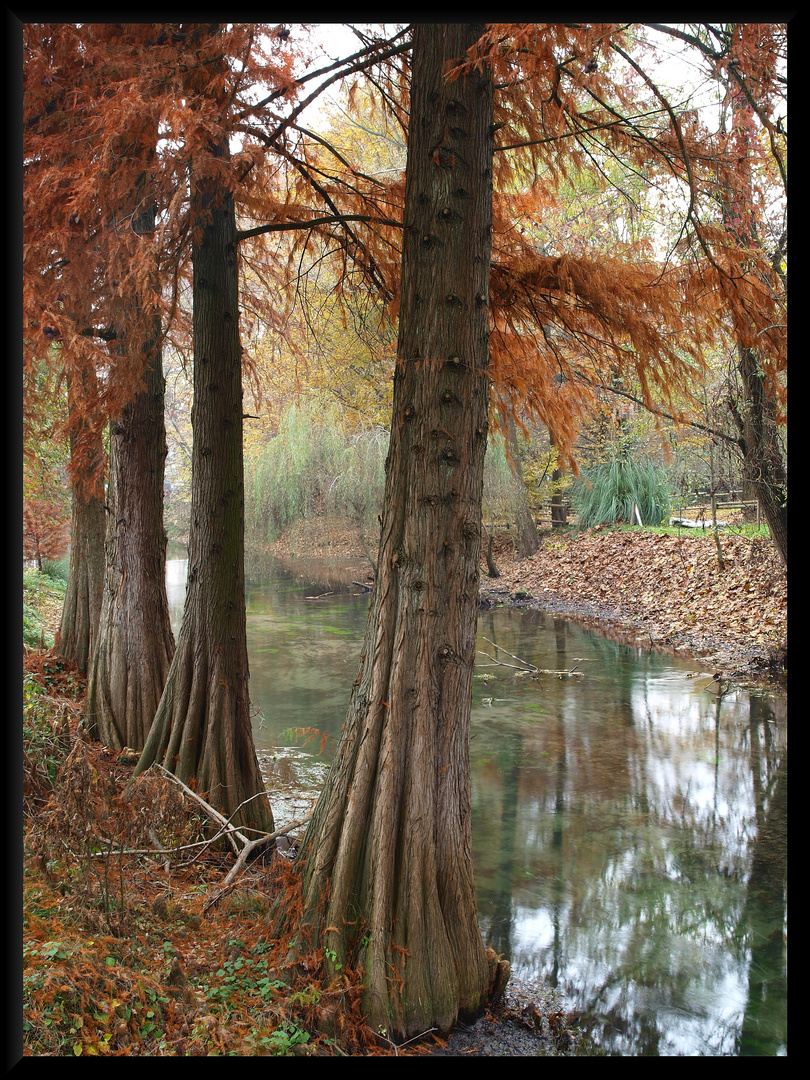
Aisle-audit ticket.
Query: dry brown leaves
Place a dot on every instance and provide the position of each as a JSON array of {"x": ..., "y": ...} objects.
[{"x": 670, "y": 588}]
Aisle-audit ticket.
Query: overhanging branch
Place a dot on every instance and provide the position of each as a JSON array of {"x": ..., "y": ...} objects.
[{"x": 284, "y": 226}]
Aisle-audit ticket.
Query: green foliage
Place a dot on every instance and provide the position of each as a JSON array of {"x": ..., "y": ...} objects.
[
  {"x": 40, "y": 590},
  {"x": 295, "y": 471},
  {"x": 56, "y": 569},
  {"x": 605, "y": 493},
  {"x": 357, "y": 489},
  {"x": 501, "y": 489},
  {"x": 40, "y": 743},
  {"x": 243, "y": 975},
  {"x": 313, "y": 463}
]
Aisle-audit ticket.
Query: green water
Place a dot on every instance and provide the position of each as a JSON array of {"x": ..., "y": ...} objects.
[{"x": 629, "y": 826}]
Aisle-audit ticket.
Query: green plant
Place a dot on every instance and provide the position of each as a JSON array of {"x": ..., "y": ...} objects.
[
  {"x": 39, "y": 590},
  {"x": 297, "y": 467},
  {"x": 279, "y": 1043},
  {"x": 607, "y": 493},
  {"x": 331, "y": 956},
  {"x": 310, "y": 995},
  {"x": 501, "y": 489},
  {"x": 244, "y": 975},
  {"x": 56, "y": 569},
  {"x": 41, "y": 744},
  {"x": 356, "y": 491}
]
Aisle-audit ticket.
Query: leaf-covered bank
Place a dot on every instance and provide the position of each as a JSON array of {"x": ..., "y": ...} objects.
[{"x": 661, "y": 591}]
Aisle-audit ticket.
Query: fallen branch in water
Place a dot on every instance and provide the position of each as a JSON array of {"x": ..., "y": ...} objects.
[
  {"x": 530, "y": 669},
  {"x": 501, "y": 663}
]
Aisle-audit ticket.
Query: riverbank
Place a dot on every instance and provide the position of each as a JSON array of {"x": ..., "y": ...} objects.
[
  {"x": 660, "y": 591},
  {"x": 131, "y": 955},
  {"x": 656, "y": 589}
]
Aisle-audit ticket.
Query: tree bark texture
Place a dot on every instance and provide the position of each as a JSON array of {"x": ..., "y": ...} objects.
[
  {"x": 135, "y": 642},
  {"x": 763, "y": 467},
  {"x": 81, "y": 609},
  {"x": 386, "y": 863},
  {"x": 202, "y": 730},
  {"x": 528, "y": 541}
]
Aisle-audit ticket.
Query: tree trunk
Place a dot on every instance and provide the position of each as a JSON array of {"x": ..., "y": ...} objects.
[
  {"x": 559, "y": 515},
  {"x": 528, "y": 542},
  {"x": 386, "y": 863},
  {"x": 202, "y": 729},
  {"x": 82, "y": 605},
  {"x": 135, "y": 641},
  {"x": 763, "y": 467},
  {"x": 763, "y": 462}
]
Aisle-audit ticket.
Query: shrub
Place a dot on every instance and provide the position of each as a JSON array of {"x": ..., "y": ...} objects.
[{"x": 606, "y": 493}]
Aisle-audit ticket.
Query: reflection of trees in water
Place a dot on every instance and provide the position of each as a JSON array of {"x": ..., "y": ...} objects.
[
  {"x": 684, "y": 921},
  {"x": 654, "y": 884},
  {"x": 500, "y": 926},
  {"x": 633, "y": 844},
  {"x": 764, "y": 917}
]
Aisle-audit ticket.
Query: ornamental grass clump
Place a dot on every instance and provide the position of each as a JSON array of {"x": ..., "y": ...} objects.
[{"x": 606, "y": 493}]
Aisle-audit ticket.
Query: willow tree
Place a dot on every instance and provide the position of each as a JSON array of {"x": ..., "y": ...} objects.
[{"x": 386, "y": 865}]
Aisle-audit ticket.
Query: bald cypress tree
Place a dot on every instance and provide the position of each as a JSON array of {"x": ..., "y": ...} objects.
[{"x": 386, "y": 867}]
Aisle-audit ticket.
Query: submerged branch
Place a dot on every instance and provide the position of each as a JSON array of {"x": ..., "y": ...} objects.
[{"x": 530, "y": 669}]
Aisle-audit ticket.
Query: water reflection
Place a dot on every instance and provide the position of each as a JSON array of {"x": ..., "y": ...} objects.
[
  {"x": 628, "y": 826},
  {"x": 635, "y": 825}
]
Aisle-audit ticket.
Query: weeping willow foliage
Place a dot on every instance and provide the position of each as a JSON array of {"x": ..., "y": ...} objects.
[
  {"x": 606, "y": 493},
  {"x": 314, "y": 463},
  {"x": 502, "y": 490},
  {"x": 294, "y": 473},
  {"x": 357, "y": 489}
]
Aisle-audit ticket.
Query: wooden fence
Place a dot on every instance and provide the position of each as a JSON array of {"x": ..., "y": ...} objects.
[{"x": 695, "y": 510}]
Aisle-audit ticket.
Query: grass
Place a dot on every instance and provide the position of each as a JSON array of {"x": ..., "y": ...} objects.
[
  {"x": 43, "y": 596},
  {"x": 751, "y": 530},
  {"x": 747, "y": 529}
]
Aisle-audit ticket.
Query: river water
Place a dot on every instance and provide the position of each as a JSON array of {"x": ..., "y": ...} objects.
[{"x": 629, "y": 825}]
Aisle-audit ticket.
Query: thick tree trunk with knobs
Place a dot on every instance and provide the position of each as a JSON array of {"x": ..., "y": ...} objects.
[{"x": 386, "y": 863}]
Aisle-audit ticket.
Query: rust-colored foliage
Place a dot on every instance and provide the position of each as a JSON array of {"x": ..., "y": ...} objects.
[
  {"x": 565, "y": 92},
  {"x": 563, "y": 322},
  {"x": 96, "y": 97},
  {"x": 568, "y": 321},
  {"x": 45, "y": 530},
  {"x": 131, "y": 953}
]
